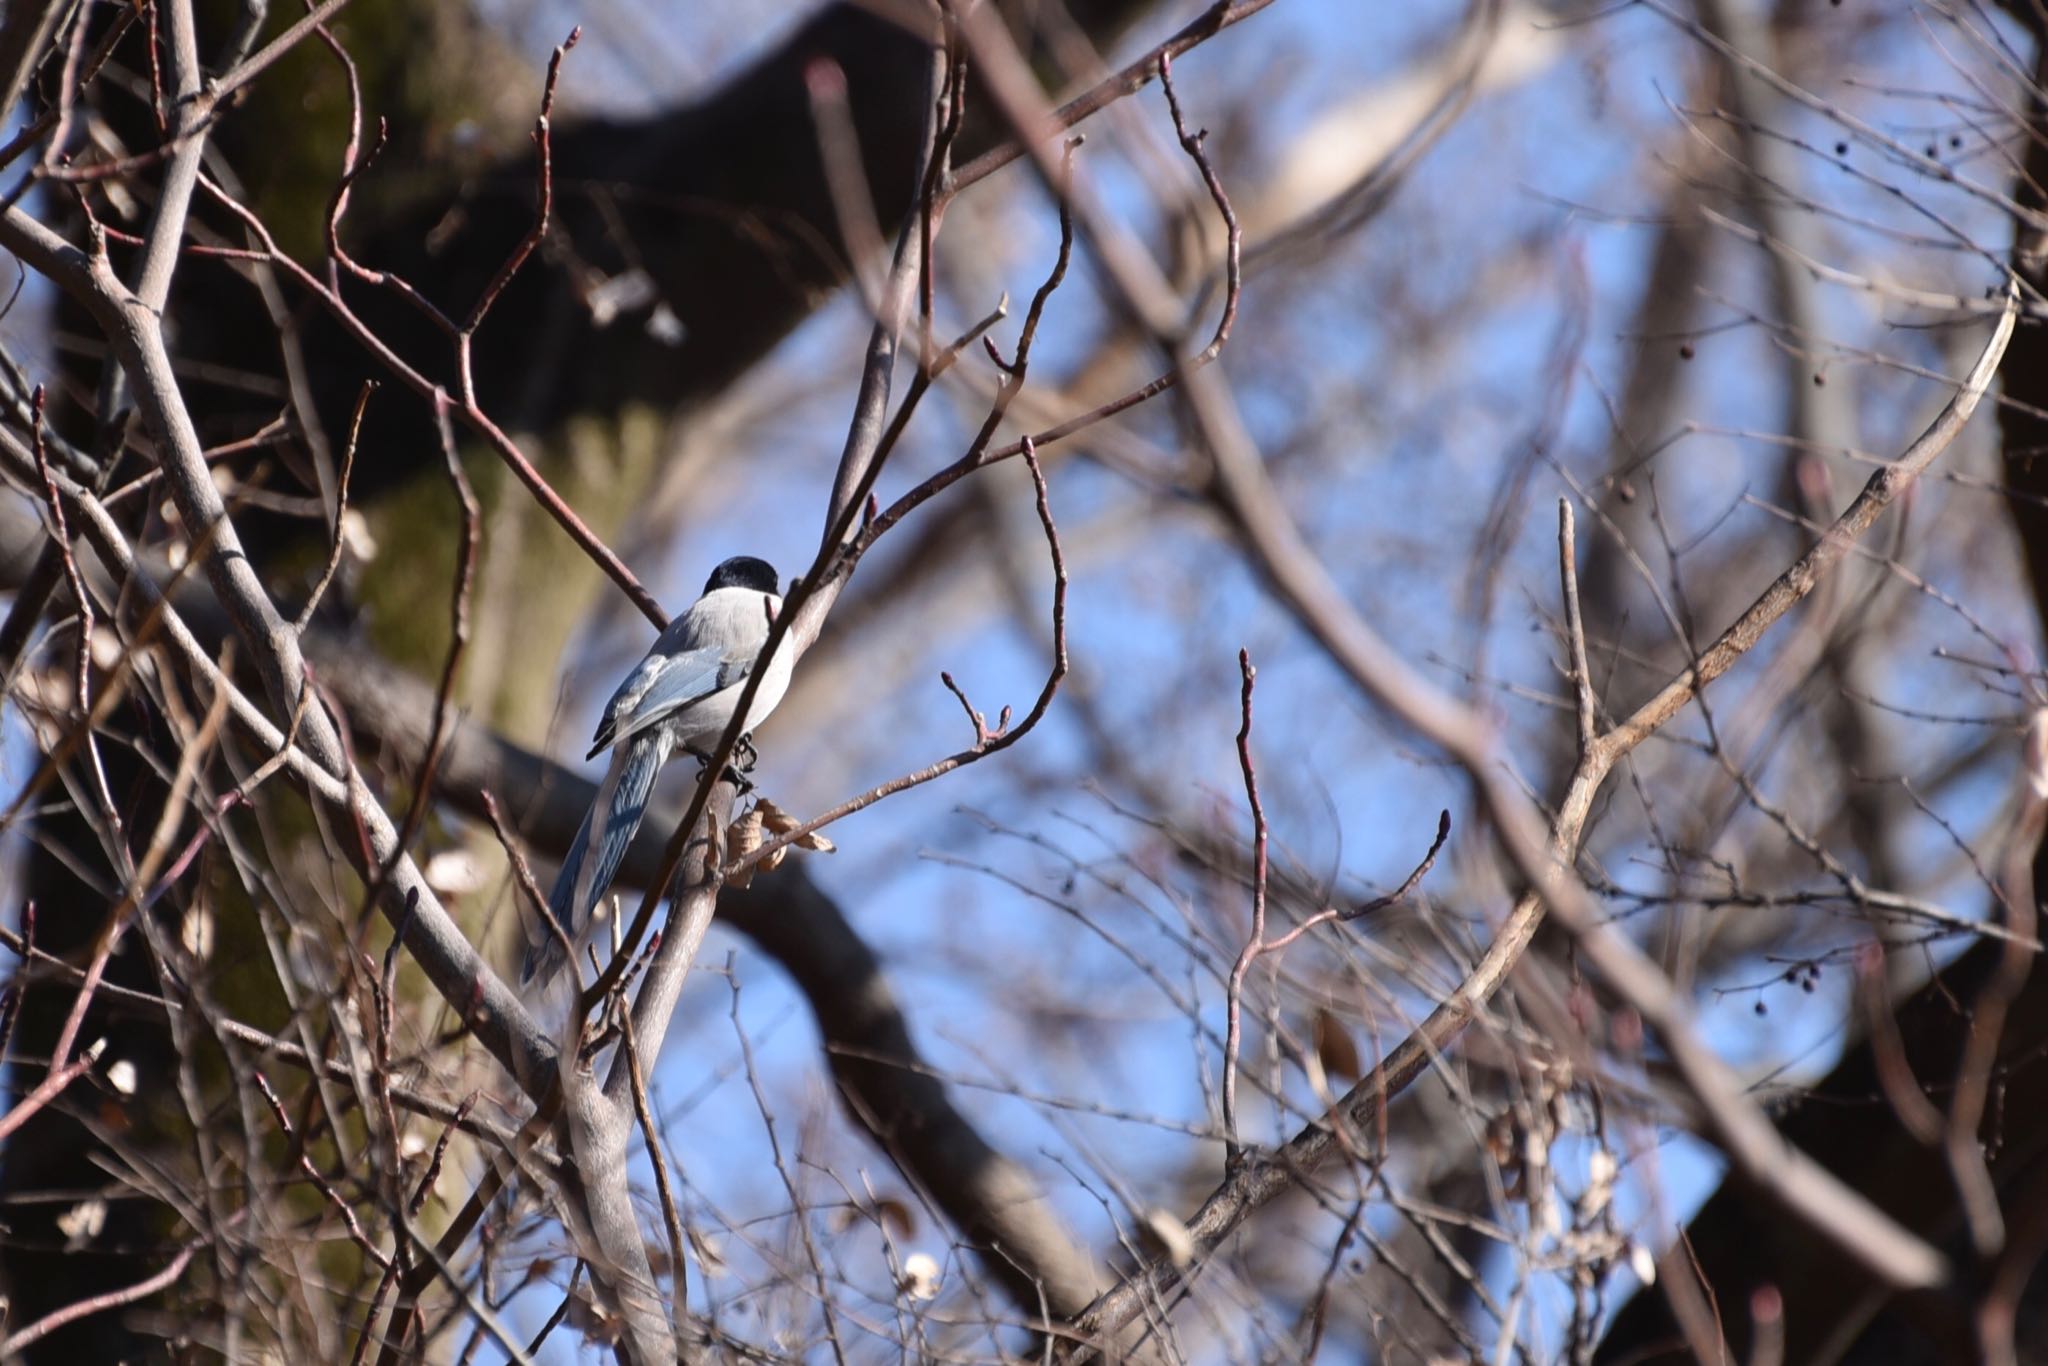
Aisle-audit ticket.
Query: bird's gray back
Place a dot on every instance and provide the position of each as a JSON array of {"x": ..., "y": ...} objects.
[{"x": 691, "y": 679}]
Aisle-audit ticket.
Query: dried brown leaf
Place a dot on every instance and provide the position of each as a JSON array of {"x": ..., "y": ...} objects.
[
  {"x": 896, "y": 1216},
  {"x": 742, "y": 839},
  {"x": 1338, "y": 1054}
]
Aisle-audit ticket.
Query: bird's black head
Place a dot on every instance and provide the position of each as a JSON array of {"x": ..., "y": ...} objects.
[{"x": 743, "y": 571}]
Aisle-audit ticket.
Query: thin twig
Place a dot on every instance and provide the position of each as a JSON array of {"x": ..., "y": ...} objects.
[
  {"x": 313, "y": 1174},
  {"x": 671, "y": 1217},
  {"x": 543, "y": 208},
  {"x": 1131, "y": 79},
  {"x": 1254, "y": 941},
  {"x": 458, "y": 625},
  {"x": 33, "y": 1333},
  {"x": 82, "y": 679},
  {"x": 340, "y": 542},
  {"x": 1575, "y": 627}
]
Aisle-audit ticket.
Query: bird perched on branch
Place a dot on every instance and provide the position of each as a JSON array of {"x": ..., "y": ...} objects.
[{"x": 682, "y": 695}]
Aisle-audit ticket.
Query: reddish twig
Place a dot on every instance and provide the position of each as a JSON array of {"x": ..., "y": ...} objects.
[
  {"x": 348, "y": 464},
  {"x": 1128, "y": 81},
  {"x": 95, "y": 1304},
  {"x": 61, "y": 535},
  {"x": 24, "y": 948},
  {"x": 1256, "y": 944},
  {"x": 522, "y": 873},
  {"x": 159, "y": 107},
  {"x": 10, "y": 1011},
  {"x": 458, "y": 626},
  {"x": 69, "y": 87},
  {"x": 432, "y": 1175},
  {"x": 62, "y": 1074},
  {"x": 277, "y": 47},
  {"x": 73, "y": 80},
  {"x": 1234, "y": 991},
  {"x": 320, "y": 1182},
  {"x": 543, "y": 208},
  {"x": 338, "y": 254},
  {"x": 561, "y": 1313},
  {"x": 1378, "y": 903},
  {"x": 366, "y": 1334},
  {"x": 1233, "y": 251},
  {"x": 931, "y": 203},
  {"x": 671, "y": 1217},
  {"x": 383, "y": 1000},
  {"x": 1977, "y": 1071}
]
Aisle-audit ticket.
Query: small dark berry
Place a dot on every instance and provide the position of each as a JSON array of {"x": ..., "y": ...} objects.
[
  {"x": 1685, "y": 352},
  {"x": 1841, "y": 149}
]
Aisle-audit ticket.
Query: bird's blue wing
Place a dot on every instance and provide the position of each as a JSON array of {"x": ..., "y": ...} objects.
[
  {"x": 675, "y": 682},
  {"x": 546, "y": 954},
  {"x": 692, "y": 678},
  {"x": 623, "y": 798}
]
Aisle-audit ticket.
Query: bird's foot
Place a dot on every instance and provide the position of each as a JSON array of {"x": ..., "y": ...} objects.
[{"x": 736, "y": 772}]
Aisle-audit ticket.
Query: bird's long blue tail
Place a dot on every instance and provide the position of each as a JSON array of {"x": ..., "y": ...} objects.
[{"x": 623, "y": 799}]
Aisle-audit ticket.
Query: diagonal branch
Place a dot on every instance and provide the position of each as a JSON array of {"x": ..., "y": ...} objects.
[{"x": 1253, "y": 506}]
